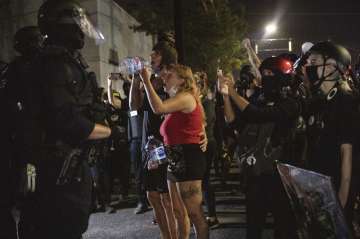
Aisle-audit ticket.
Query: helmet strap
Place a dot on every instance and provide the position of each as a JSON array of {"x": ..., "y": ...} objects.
[{"x": 323, "y": 76}]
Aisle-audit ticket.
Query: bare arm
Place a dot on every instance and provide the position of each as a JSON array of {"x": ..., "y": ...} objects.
[
  {"x": 109, "y": 90},
  {"x": 346, "y": 169},
  {"x": 181, "y": 102},
  {"x": 229, "y": 85},
  {"x": 253, "y": 58},
  {"x": 240, "y": 102},
  {"x": 203, "y": 139},
  {"x": 228, "y": 110}
]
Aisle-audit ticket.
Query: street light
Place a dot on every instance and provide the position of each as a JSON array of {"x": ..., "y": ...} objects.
[{"x": 270, "y": 29}]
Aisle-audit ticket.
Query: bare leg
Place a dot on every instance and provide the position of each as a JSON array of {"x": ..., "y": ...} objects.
[
  {"x": 180, "y": 213},
  {"x": 160, "y": 214},
  {"x": 166, "y": 203},
  {"x": 191, "y": 195}
]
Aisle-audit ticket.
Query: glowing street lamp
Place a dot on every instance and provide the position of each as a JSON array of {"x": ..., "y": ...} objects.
[{"x": 270, "y": 29}]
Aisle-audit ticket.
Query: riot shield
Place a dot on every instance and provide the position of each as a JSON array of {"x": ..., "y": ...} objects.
[{"x": 313, "y": 199}]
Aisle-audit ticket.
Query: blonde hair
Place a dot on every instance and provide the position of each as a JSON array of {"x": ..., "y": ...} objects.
[
  {"x": 189, "y": 85},
  {"x": 185, "y": 73}
]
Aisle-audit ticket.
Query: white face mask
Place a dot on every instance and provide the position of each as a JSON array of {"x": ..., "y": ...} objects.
[{"x": 172, "y": 91}]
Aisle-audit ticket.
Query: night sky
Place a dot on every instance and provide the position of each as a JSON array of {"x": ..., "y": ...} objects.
[{"x": 304, "y": 20}]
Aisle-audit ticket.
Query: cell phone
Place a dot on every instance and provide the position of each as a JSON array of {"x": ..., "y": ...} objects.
[{"x": 219, "y": 72}]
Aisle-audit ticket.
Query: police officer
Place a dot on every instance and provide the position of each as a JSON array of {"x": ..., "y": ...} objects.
[
  {"x": 27, "y": 43},
  {"x": 63, "y": 93},
  {"x": 330, "y": 117},
  {"x": 272, "y": 121}
]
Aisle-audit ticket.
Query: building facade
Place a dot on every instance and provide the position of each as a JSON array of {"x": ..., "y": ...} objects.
[{"x": 112, "y": 20}]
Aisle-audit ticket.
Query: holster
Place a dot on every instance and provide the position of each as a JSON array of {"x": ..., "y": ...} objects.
[{"x": 73, "y": 159}]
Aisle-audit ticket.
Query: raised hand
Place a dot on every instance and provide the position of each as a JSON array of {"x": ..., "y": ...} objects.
[{"x": 246, "y": 43}]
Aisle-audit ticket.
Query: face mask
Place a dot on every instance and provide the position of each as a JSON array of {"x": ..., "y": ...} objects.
[
  {"x": 172, "y": 92},
  {"x": 312, "y": 74},
  {"x": 270, "y": 87}
]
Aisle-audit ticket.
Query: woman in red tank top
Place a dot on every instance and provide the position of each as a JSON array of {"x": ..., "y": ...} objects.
[{"x": 185, "y": 141}]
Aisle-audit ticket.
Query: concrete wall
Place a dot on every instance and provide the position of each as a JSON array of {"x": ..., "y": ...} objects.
[
  {"x": 114, "y": 23},
  {"x": 110, "y": 18}
]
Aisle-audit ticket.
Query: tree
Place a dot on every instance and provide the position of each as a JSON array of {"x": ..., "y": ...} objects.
[{"x": 212, "y": 30}]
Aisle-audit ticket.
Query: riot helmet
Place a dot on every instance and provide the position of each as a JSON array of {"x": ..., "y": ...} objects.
[
  {"x": 327, "y": 64},
  {"x": 292, "y": 57},
  {"x": 66, "y": 22},
  {"x": 28, "y": 40},
  {"x": 275, "y": 75}
]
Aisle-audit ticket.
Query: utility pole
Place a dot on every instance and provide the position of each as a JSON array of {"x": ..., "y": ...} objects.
[{"x": 179, "y": 29}]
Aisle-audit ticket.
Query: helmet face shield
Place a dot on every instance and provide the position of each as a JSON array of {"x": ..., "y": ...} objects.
[
  {"x": 88, "y": 28},
  {"x": 82, "y": 20}
]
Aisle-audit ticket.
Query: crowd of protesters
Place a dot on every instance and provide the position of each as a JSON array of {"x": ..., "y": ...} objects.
[{"x": 87, "y": 143}]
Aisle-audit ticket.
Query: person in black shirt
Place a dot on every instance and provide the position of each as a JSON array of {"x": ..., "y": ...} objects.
[
  {"x": 27, "y": 42},
  {"x": 330, "y": 117},
  {"x": 274, "y": 119},
  {"x": 119, "y": 148},
  {"x": 211, "y": 153},
  {"x": 155, "y": 181}
]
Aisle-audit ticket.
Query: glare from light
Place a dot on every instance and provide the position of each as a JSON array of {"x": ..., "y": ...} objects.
[
  {"x": 290, "y": 46},
  {"x": 270, "y": 29}
]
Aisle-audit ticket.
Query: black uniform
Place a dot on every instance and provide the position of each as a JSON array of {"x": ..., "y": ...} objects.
[
  {"x": 6, "y": 183},
  {"x": 271, "y": 126},
  {"x": 63, "y": 113},
  {"x": 329, "y": 125}
]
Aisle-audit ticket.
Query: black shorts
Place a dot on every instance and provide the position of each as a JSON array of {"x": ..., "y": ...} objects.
[
  {"x": 155, "y": 180},
  {"x": 186, "y": 163}
]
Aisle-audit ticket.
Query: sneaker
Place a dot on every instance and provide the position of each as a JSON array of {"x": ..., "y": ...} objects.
[
  {"x": 141, "y": 208},
  {"x": 154, "y": 222},
  {"x": 212, "y": 223}
]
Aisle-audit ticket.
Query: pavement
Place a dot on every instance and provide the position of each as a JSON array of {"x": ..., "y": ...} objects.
[{"x": 125, "y": 224}]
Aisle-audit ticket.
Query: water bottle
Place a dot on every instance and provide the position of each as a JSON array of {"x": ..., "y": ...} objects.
[
  {"x": 156, "y": 153},
  {"x": 132, "y": 65}
]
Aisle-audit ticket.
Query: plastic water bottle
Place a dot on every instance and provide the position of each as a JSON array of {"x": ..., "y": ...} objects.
[
  {"x": 132, "y": 65},
  {"x": 156, "y": 153}
]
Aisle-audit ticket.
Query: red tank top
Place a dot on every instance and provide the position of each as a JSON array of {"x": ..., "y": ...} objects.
[{"x": 182, "y": 128}]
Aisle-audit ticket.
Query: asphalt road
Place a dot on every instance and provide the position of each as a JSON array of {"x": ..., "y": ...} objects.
[{"x": 125, "y": 224}]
